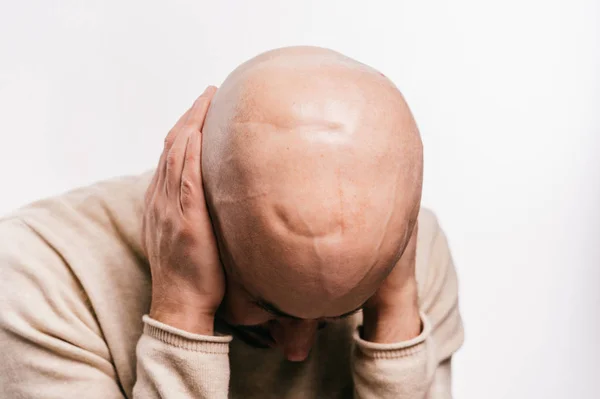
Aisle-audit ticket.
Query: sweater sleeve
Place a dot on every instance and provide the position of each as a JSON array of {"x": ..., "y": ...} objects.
[
  {"x": 176, "y": 364},
  {"x": 418, "y": 368},
  {"x": 52, "y": 346}
]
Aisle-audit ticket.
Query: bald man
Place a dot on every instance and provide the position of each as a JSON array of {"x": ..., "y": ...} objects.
[{"x": 278, "y": 251}]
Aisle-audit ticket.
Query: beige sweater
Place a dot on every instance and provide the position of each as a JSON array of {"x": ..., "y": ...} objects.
[{"x": 74, "y": 287}]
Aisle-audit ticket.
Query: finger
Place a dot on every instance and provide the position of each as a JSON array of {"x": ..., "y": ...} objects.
[
  {"x": 143, "y": 238},
  {"x": 159, "y": 178},
  {"x": 174, "y": 163},
  {"x": 176, "y": 128},
  {"x": 191, "y": 192},
  {"x": 151, "y": 187},
  {"x": 198, "y": 112},
  {"x": 174, "y": 132}
]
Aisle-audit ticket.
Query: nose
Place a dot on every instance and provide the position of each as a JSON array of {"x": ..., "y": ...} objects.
[{"x": 295, "y": 337}]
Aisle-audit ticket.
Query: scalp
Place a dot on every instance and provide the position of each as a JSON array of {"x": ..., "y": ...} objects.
[{"x": 312, "y": 166}]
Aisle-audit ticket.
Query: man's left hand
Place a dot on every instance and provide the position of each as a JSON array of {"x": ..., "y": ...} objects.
[{"x": 392, "y": 314}]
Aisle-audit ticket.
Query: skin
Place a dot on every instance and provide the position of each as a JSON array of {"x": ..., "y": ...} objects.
[{"x": 289, "y": 203}]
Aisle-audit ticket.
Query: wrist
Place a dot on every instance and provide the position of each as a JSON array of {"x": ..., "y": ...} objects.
[
  {"x": 183, "y": 316},
  {"x": 391, "y": 324}
]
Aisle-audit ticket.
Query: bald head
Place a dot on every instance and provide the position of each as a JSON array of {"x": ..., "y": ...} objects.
[{"x": 312, "y": 166}]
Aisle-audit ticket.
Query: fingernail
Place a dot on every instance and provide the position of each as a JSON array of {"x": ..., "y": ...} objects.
[{"x": 210, "y": 88}]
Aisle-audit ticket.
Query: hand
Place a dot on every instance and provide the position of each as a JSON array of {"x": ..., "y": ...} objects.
[
  {"x": 392, "y": 314},
  {"x": 188, "y": 282}
]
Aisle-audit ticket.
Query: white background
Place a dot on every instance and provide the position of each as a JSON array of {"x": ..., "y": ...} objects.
[{"x": 506, "y": 94}]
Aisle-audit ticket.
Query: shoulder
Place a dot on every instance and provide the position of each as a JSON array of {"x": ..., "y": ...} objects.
[
  {"x": 79, "y": 246},
  {"x": 59, "y": 253},
  {"x": 106, "y": 211},
  {"x": 32, "y": 271},
  {"x": 39, "y": 295},
  {"x": 23, "y": 252},
  {"x": 72, "y": 276}
]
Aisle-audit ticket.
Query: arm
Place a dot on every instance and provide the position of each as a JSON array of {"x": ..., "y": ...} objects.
[
  {"x": 188, "y": 282},
  {"x": 173, "y": 363},
  {"x": 391, "y": 358},
  {"x": 52, "y": 345}
]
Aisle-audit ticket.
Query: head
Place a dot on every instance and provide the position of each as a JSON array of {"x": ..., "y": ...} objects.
[{"x": 312, "y": 166}]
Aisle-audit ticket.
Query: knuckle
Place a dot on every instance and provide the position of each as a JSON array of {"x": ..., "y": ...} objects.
[
  {"x": 169, "y": 140},
  {"x": 187, "y": 188},
  {"x": 191, "y": 157},
  {"x": 171, "y": 160},
  {"x": 186, "y": 236},
  {"x": 188, "y": 130},
  {"x": 168, "y": 223},
  {"x": 187, "y": 201}
]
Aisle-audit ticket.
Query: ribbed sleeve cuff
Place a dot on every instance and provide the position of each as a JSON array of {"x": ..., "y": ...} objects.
[
  {"x": 396, "y": 349},
  {"x": 185, "y": 340}
]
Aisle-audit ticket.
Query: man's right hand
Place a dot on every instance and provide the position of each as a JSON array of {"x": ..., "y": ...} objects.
[{"x": 188, "y": 282}]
